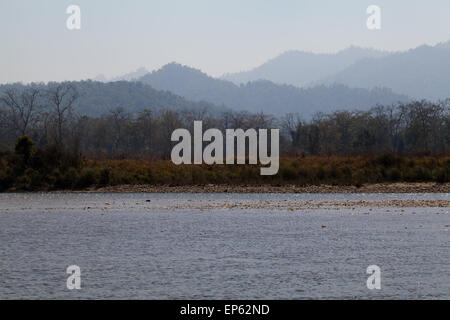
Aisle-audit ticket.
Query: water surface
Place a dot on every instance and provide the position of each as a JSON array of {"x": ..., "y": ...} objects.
[{"x": 128, "y": 250}]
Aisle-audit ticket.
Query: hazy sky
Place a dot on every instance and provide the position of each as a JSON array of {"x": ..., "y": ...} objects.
[{"x": 216, "y": 36}]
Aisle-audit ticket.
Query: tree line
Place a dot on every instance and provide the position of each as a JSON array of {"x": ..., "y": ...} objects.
[
  {"x": 49, "y": 116},
  {"x": 46, "y": 143}
]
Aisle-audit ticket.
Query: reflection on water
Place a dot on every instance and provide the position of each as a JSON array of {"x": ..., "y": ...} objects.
[{"x": 200, "y": 254}]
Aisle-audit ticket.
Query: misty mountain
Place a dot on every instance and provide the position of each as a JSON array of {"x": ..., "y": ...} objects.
[
  {"x": 100, "y": 78},
  {"x": 97, "y": 98},
  {"x": 423, "y": 72},
  {"x": 301, "y": 68},
  {"x": 265, "y": 96},
  {"x": 131, "y": 76}
]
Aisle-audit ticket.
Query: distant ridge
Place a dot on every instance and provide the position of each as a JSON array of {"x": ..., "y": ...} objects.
[
  {"x": 300, "y": 68},
  {"x": 265, "y": 96},
  {"x": 125, "y": 77},
  {"x": 421, "y": 73}
]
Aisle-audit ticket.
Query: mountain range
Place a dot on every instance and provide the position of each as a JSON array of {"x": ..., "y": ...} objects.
[
  {"x": 266, "y": 96},
  {"x": 131, "y": 76},
  {"x": 306, "y": 83},
  {"x": 421, "y": 73},
  {"x": 301, "y": 68}
]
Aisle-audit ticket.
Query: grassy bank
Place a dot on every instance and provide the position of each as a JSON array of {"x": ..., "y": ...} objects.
[
  {"x": 50, "y": 170},
  {"x": 298, "y": 171}
]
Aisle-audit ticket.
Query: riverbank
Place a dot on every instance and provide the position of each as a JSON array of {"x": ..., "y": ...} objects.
[
  {"x": 215, "y": 188},
  {"x": 374, "y": 174}
]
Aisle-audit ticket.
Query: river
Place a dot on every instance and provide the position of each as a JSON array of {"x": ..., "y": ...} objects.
[{"x": 204, "y": 246}]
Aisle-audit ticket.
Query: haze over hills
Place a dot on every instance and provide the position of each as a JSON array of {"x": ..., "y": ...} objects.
[
  {"x": 300, "y": 68},
  {"x": 306, "y": 83},
  {"x": 421, "y": 73},
  {"x": 265, "y": 96},
  {"x": 126, "y": 77}
]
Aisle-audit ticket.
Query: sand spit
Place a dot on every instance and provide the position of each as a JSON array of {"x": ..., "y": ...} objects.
[
  {"x": 222, "y": 204},
  {"x": 369, "y": 188},
  {"x": 293, "y": 205}
]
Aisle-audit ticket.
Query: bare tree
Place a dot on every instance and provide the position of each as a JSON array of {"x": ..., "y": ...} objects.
[
  {"x": 145, "y": 122},
  {"x": 61, "y": 98},
  {"x": 119, "y": 118},
  {"x": 395, "y": 118},
  {"x": 261, "y": 121},
  {"x": 289, "y": 124},
  {"x": 23, "y": 108},
  {"x": 169, "y": 120}
]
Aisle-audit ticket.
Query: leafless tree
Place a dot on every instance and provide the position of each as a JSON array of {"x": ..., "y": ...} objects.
[
  {"x": 289, "y": 124},
  {"x": 61, "y": 98},
  {"x": 23, "y": 108},
  {"x": 119, "y": 118}
]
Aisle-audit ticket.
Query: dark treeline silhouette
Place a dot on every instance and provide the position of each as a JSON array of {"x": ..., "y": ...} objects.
[
  {"x": 49, "y": 117},
  {"x": 416, "y": 128}
]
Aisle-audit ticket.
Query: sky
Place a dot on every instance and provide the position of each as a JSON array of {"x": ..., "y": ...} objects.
[{"x": 215, "y": 36}]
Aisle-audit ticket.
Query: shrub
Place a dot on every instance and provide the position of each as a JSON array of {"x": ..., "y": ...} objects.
[
  {"x": 105, "y": 178},
  {"x": 394, "y": 174},
  {"x": 442, "y": 175},
  {"x": 86, "y": 179},
  {"x": 289, "y": 174}
]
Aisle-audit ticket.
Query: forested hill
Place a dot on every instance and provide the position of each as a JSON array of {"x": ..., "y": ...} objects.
[
  {"x": 97, "y": 98},
  {"x": 265, "y": 96}
]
